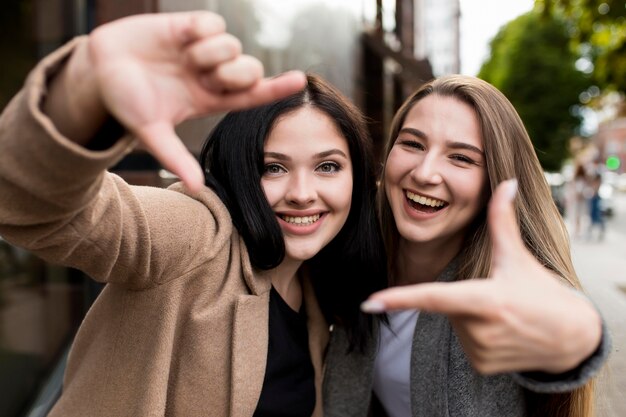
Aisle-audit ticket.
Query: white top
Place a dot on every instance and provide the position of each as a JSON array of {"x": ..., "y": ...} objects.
[{"x": 392, "y": 367}]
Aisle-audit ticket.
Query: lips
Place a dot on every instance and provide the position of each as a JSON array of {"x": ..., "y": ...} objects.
[
  {"x": 300, "y": 220},
  {"x": 300, "y": 225}
]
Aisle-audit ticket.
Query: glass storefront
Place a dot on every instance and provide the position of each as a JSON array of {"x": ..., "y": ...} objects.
[{"x": 41, "y": 305}]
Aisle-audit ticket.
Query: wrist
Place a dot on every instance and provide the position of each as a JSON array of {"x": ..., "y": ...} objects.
[
  {"x": 73, "y": 102},
  {"x": 579, "y": 340}
]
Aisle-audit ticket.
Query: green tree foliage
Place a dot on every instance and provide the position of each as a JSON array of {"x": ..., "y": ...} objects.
[
  {"x": 532, "y": 64},
  {"x": 598, "y": 31}
]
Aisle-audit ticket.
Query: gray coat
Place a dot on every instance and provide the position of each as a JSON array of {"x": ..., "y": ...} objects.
[{"x": 443, "y": 383}]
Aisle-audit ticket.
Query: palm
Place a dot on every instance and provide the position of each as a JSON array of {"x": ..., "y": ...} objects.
[
  {"x": 173, "y": 69},
  {"x": 144, "y": 82}
]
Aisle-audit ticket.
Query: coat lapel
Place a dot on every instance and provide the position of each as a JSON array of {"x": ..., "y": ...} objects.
[
  {"x": 430, "y": 358},
  {"x": 318, "y": 339},
  {"x": 348, "y": 377},
  {"x": 250, "y": 340},
  {"x": 249, "y": 358}
]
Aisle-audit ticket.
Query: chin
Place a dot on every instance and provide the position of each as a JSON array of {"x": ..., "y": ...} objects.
[{"x": 301, "y": 255}]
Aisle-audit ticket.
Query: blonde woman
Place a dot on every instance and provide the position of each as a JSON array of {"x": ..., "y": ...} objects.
[{"x": 522, "y": 342}]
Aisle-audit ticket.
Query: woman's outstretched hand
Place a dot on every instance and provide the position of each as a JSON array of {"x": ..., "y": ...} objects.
[
  {"x": 154, "y": 71},
  {"x": 522, "y": 318}
]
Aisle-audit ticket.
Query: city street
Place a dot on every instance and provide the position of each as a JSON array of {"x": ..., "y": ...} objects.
[{"x": 601, "y": 267}]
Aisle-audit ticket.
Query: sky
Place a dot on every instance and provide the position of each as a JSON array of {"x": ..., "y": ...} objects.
[{"x": 480, "y": 22}]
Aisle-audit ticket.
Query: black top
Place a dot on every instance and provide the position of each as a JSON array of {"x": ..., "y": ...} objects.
[{"x": 288, "y": 387}]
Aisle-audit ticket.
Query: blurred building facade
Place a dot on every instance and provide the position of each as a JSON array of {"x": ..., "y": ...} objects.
[
  {"x": 374, "y": 62},
  {"x": 437, "y": 34},
  {"x": 610, "y": 142}
]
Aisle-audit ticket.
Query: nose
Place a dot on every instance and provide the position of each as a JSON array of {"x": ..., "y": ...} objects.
[
  {"x": 427, "y": 171},
  {"x": 301, "y": 190}
]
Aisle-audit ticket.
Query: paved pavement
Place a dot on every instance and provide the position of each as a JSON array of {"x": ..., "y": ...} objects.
[{"x": 601, "y": 267}]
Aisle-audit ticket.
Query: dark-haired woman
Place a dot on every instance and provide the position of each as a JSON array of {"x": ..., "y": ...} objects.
[{"x": 210, "y": 306}]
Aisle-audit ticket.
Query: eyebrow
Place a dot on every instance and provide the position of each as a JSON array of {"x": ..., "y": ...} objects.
[
  {"x": 455, "y": 145},
  {"x": 325, "y": 154}
]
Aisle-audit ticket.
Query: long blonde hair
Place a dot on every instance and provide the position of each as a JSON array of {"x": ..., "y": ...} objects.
[{"x": 509, "y": 153}]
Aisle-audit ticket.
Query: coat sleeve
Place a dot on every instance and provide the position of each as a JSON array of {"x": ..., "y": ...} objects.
[{"x": 58, "y": 201}]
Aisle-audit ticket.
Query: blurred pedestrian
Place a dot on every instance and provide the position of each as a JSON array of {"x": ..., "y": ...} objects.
[
  {"x": 579, "y": 196},
  {"x": 596, "y": 213}
]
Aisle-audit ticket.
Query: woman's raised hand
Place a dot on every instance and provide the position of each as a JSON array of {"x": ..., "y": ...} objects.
[
  {"x": 154, "y": 71},
  {"x": 522, "y": 318}
]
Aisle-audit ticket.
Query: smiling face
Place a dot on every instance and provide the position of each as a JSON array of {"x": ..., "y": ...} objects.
[
  {"x": 307, "y": 180},
  {"x": 435, "y": 175}
]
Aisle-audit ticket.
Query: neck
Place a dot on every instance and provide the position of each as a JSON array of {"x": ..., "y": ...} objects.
[
  {"x": 422, "y": 262},
  {"x": 285, "y": 281}
]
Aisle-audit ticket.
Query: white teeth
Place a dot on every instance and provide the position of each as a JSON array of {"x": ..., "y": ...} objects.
[
  {"x": 304, "y": 221},
  {"x": 424, "y": 200}
]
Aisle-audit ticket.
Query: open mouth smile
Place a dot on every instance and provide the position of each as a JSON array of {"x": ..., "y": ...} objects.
[{"x": 423, "y": 203}]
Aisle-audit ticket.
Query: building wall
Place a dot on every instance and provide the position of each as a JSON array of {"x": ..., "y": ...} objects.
[
  {"x": 437, "y": 34},
  {"x": 610, "y": 140}
]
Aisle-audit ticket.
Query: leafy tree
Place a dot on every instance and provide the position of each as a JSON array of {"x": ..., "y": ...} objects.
[
  {"x": 598, "y": 31},
  {"x": 532, "y": 64}
]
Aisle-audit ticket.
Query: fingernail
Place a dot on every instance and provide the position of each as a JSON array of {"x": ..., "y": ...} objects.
[
  {"x": 372, "y": 306},
  {"x": 510, "y": 189}
]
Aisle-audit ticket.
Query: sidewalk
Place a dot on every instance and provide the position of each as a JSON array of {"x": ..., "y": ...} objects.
[{"x": 601, "y": 267}]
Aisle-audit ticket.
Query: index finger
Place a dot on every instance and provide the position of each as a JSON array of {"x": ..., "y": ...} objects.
[
  {"x": 470, "y": 297},
  {"x": 263, "y": 91}
]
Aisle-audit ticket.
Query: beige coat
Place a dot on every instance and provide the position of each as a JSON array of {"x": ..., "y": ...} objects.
[{"x": 182, "y": 327}]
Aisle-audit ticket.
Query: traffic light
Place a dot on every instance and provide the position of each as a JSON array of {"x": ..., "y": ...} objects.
[{"x": 612, "y": 162}]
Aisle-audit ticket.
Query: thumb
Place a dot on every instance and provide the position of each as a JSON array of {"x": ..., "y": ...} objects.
[
  {"x": 162, "y": 142},
  {"x": 503, "y": 227}
]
